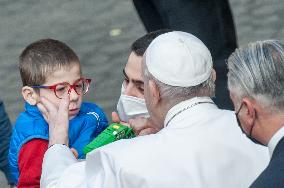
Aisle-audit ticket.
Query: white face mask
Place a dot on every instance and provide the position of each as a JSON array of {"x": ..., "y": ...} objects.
[{"x": 129, "y": 107}]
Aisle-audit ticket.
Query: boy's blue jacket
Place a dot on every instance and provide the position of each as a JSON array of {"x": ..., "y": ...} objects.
[{"x": 30, "y": 124}]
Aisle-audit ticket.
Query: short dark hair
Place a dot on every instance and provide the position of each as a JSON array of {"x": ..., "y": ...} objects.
[
  {"x": 140, "y": 45},
  {"x": 41, "y": 58}
]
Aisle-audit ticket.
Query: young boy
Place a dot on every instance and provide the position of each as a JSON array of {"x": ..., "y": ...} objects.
[{"x": 50, "y": 68}]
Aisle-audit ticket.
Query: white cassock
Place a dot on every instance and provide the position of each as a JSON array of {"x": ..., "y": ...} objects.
[{"x": 201, "y": 146}]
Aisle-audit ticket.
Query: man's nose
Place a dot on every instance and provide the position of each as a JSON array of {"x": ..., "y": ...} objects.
[{"x": 131, "y": 90}]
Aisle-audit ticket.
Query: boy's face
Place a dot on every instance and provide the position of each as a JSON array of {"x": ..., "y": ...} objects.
[{"x": 64, "y": 74}]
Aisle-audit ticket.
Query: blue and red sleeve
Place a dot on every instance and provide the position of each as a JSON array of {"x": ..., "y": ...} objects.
[{"x": 30, "y": 162}]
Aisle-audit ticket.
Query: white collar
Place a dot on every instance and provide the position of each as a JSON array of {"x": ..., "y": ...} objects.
[
  {"x": 274, "y": 140},
  {"x": 185, "y": 105}
]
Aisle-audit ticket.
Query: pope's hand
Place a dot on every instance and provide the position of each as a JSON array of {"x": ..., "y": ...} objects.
[
  {"x": 142, "y": 126},
  {"x": 57, "y": 119}
]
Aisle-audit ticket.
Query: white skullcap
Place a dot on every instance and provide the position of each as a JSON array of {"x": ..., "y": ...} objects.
[{"x": 179, "y": 59}]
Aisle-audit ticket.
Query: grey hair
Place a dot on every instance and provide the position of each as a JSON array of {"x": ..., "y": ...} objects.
[
  {"x": 168, "y": 92},
  {"x": 257, "y": 71}
]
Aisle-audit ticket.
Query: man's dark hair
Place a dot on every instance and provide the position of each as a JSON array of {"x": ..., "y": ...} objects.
[
  {"x": 41, "y": 58},
  {"x": 140, "y": 45}
]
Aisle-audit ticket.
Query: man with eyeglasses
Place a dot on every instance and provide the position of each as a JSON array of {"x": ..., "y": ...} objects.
[{"x": 51, "y": 69}]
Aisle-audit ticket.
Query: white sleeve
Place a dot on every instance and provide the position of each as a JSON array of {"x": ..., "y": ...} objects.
[
  {"x": 105, "y": 170},
  {"x": 56, "y": 160},
  {"x": 100, "y": 171}
]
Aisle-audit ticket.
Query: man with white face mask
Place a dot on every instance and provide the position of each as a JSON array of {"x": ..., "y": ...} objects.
[
  {"x": 256, "y": 85},
  {"x": 131, "y": 105}
]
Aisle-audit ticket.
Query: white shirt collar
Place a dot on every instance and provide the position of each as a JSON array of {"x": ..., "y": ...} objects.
[
  {"x": 274, "y": 140},
  {"x": 183, "y": 105}
]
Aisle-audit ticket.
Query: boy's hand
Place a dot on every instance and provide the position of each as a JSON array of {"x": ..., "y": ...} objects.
[
  {"x": 75, "y": 153},
  {"x": 57, "y": 119}
]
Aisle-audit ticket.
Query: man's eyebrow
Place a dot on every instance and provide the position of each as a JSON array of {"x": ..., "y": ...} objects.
[
  {"x": 125, "y": 75},
  {"x": 136, "y": 82}
]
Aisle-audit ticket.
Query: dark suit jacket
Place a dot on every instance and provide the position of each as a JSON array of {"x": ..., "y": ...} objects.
[
  {"x": 5, "y": 134},
  {"x": 209, "y": 20},
  {"x": 273, "y": 175}
]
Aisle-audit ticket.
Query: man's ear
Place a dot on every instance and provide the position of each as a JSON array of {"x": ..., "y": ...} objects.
[
  {"x": 213, "y": 74},
  {"x": 250, "y": 112},
  {"x": 30, "y": 95},
  {"x": 154, "y": 92}
]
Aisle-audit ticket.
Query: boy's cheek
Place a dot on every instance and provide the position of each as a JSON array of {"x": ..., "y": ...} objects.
[{"x": 37, "y": 99}]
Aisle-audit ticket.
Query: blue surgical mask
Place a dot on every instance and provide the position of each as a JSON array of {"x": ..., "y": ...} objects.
[{"x": 249, "y": 136}]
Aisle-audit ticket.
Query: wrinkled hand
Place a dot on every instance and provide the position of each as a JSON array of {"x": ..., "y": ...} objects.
[
  {"x": 140, "y": 125},
  {"x": 57, "y": 119}
]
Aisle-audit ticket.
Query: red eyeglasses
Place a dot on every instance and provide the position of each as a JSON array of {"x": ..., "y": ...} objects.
[{"x": 80, "y": 86}]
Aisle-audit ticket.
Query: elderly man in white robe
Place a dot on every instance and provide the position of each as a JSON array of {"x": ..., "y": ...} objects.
[{"x": 198, "y": 145}]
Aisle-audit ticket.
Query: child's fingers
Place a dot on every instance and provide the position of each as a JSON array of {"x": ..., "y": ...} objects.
[
  {"x": 64, "y": 106},
  {"x": 65, "y": 101},
  {"x": 43, "y": 111},
  {"x": 49, "y": 106},
  {"x": 75, "y": 153},
  {"x": 42, "y": 108}
]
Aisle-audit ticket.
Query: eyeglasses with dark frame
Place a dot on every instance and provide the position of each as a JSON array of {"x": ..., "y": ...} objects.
[{"x": 80, "y": 86}]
